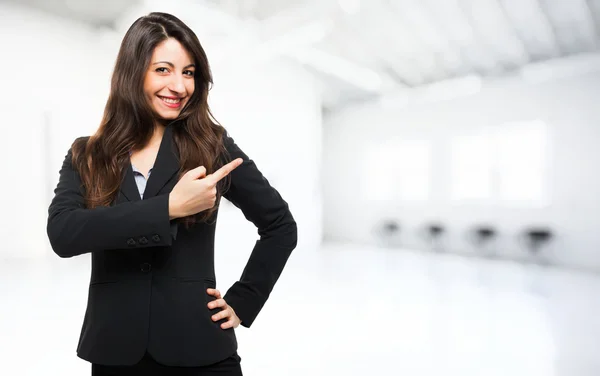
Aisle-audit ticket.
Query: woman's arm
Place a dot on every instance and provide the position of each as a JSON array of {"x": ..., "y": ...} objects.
[
  {"x": 263, "y": 206},
  {"x": 73, "y": 230}
]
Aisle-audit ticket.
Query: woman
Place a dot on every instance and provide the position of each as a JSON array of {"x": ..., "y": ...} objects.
[{"x": 141, "y": 195}]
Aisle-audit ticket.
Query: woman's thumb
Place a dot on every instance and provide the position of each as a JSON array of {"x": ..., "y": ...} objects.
[{"x": 197, "y": 173}]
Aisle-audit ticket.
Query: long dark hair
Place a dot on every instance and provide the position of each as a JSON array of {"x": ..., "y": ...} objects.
[{"x": 128, "y": 121}]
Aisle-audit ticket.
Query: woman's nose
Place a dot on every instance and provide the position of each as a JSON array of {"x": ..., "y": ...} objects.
[{"x": 176, "y": 84}]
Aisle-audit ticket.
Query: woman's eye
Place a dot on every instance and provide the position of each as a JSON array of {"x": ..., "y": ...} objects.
[
  {"x": 189, "y": 73},
  {"x": 161, "y": 69}
]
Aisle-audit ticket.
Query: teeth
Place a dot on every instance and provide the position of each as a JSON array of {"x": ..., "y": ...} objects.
[{"x": 169, "y": 100}]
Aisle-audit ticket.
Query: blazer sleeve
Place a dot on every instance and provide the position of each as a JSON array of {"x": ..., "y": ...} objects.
[
  {"x": 73, "y": 229},
  {"x": 262, "y": 205}
]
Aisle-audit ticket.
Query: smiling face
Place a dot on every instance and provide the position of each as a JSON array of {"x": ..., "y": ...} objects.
[{"x": 169, "y": 80}]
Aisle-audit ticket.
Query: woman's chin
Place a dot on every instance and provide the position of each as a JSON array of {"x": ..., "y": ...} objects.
[{"x": 166, "y": 117}]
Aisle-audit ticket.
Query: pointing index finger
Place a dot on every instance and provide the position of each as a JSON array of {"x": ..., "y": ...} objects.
[{"x": 225, "y": 170}]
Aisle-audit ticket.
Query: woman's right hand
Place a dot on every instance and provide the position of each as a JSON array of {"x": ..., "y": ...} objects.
[{"x": 196, "y": 191}]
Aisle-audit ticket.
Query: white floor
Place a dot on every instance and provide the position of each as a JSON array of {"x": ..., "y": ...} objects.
[{"x": 349, "y": 310}]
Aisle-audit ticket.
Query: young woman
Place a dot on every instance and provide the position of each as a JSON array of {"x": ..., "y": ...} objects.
[{"x": 141, "y": 196}]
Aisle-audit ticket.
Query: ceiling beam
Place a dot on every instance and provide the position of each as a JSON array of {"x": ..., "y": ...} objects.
[{"x": 290, "y": 33}]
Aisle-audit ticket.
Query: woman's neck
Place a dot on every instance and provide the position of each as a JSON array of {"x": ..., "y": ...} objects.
[{"x": 155, "y": 140}]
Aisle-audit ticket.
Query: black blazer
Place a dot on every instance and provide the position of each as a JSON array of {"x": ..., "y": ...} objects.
[{"x": 148, "y": 288}]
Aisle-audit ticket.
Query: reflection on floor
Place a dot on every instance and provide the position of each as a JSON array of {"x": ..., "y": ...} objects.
[{"x": 348, "y": 310}]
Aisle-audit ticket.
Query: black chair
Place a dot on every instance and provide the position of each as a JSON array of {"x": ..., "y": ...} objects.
[
  {"x": 388, "y": 231},
  {"x": 390, "y": 227},
  {"x": 483, "y": 236},
  {"x": 435, "y": 231},
  {"x": 537, "y": 237}
]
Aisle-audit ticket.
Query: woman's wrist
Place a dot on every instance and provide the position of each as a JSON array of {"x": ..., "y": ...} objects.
[{"x": 173, "y": 211}]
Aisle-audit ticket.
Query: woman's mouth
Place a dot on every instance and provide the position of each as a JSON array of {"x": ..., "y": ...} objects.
[{"x": 171, "y": 102}]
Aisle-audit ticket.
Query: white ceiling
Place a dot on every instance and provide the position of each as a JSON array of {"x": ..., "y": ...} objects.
[
  {"x": 376, "y": 46},
  {"x": 97, "y": 13},
  {"x": 361, "y": 49}
]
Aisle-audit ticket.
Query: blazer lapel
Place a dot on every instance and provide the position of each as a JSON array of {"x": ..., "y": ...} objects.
[
  {"x": 129, "y": 187},
  {"x": 165, "y": 166}
]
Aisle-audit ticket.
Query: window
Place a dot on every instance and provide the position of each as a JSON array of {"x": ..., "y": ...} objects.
[
  {"x": 471, "y": 172},
  {"x": 414, "y": 170},
  {"x": 506, "y": 164},
  {"x": 398, "y": 170},
  {"x": 522, "y": 162}
]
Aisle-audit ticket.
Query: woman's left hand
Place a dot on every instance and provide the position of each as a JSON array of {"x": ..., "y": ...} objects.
[{"x": 232, "y": 320}]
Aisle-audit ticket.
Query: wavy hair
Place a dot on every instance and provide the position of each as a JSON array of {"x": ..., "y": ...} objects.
[{"x": 128, "y": 121}]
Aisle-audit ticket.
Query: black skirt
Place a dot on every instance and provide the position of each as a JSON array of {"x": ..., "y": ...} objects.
[{"x": 149, "y": 367}]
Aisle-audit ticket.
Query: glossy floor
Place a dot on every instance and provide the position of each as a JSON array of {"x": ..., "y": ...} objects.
[{"x": 348, "y": 310}]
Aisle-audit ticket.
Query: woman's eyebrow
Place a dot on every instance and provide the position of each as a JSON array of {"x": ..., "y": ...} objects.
[{"x": 173, "y": 66}]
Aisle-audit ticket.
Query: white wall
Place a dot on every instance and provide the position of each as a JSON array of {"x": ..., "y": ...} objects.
[
  {"x": 55, "y": 75},
  {"x": 56, "y": 90},
  {"x": 569, "y": 108},
  {"x": 273, "y": 112}
]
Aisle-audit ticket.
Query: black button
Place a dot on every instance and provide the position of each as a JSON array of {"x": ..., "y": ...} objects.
[
  {"x": 131, "y": 242},
  {"x": 156, "y": 238},
  {"x": 143, "y": 240},
  {"x": 146, "y": 267}
]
